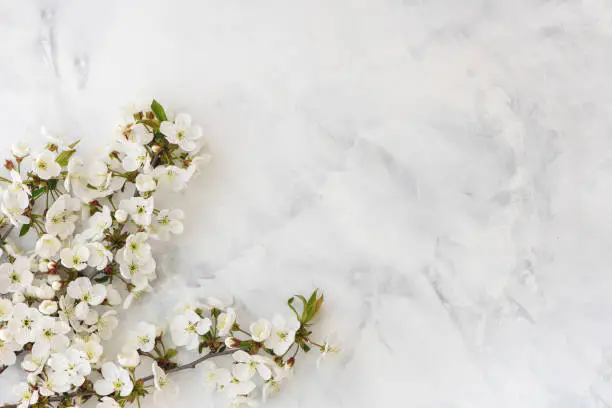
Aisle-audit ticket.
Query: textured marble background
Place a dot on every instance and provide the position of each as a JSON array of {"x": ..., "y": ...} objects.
[{"x": 442, "y": 169}]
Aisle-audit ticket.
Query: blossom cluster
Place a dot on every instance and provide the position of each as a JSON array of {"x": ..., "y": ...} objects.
[
  {"x": 260, "y": 357},
  {"x": 90, "y": 225}
]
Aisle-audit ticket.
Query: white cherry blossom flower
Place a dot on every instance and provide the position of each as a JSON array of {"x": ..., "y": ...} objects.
[
  {"x": 135, "y": 293},
  {"x": 57, "y": 140},
  {"x": 187, "y": 328},
  {"x": 283, "y": 334},
  {"x": 139, "y": 209},
  {"x": 165, "y": 388},
  {"x": 52, "y": 332},
  {"x": 272, "y": 385},
  {"x": 73, "y": 363},
  {"x": 88, "y": 294},
  {"x": 45, "y": 165},
  {"x": 97, "y": 224},
  {"x": 106, "y": 324},
  {"x": 76, "y": 179},
  {"x": 7, "y": 348},
  {"x": 135, "y": 156},
  {"x": 138, "y": 133},
  {"x": 215, "y": 378},
  {"x": 6, "y": 310},
  {"x": 170, "y": 177},
  {"x": 331, "y": 345},
  {"x": 116, "y": 380},
  {"x": 113, "y": 297},
  {"x": 143, "y": 337},
  {"x": 99, "y": 256},
  {"x": 19, "y": 188},
  {"x": 145, "y": 183},
  {"x": 138, "y": 272},
  {"x": 128, "y": 358},
  {"x": 35, "y": 361},
  {"x": 247, "y": 365},
  {"x": 98, "y": 175},
  {"x": 182, "y": 132},
  {"x": 75, "y": 257},
  {"x": 225, "y": 322},
  {"x": 67, "y": 312},
  {"x": 136, "y": 248},
  {"x": 240, "y": 401},
  {"x": 11, "y": 206},
  {"x": 166, "y": 222},
  {"x": 55, "y": 383},
  {"x": 237, "y": 388},
  {"x": 20, "y": 149},
  {"x": 260, "y": 330},
  {"x": 47, "y": 246},
  {"x": 90, "y": 346},
  {"x": 15, "y": 276},
  {"x": 24, "y": 325},
  {"x": 62, "y": 215},
  {"x": 27, "y": 395}
]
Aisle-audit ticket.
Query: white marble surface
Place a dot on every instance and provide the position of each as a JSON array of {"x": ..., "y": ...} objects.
[{"x": 441, "y": 169}]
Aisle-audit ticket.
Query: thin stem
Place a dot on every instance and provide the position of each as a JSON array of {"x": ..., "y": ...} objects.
[
  {"x": 187, "y": 366},
  {"x": 6, "y": 233}
]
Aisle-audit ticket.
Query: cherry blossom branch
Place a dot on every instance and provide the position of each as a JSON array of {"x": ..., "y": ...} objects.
[
  {"x": 146, "y": 379},
  {"x": 193, "y": 364},
  {"x": 6, "y": 233}
]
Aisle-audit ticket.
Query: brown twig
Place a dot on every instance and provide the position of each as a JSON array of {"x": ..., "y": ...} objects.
[
  {"x": 146, "y": 379},
  {"x": 6, "y": 233}
]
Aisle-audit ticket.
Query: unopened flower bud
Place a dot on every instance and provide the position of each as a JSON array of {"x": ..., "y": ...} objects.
[
  {"x": 291, "y": 362},
  {"x": 56, "y": 286},
  {"x": 18, "y": 297},
  {"x": 156, "y": 148},
  {"x": 121, "y": 216},
  {"x": 52, "y": 267},
  {"x": 9, "y": 165},
  {"x": 43, "y": 266},
  {"x": 232, "y": 342},
  {"x": 20, "y": 150},
  {"x": 47, "y": 307}
]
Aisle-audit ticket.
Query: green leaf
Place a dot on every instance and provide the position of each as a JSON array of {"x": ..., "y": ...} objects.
[
  {"x": 64, "y": 157},
  {"x": 102, "y": 279},
  {"x": 170, "y": 353},
  {"x": 73, "y": 145},
  {"x": 159, "y": 111},
  {"x": 305, "y": 347},
  {"x": 38, "y": 192},
  {"x": 290, "y": 303},
  {"x": 24, "y": 229},
  {"x": 52, "y": 184}
]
